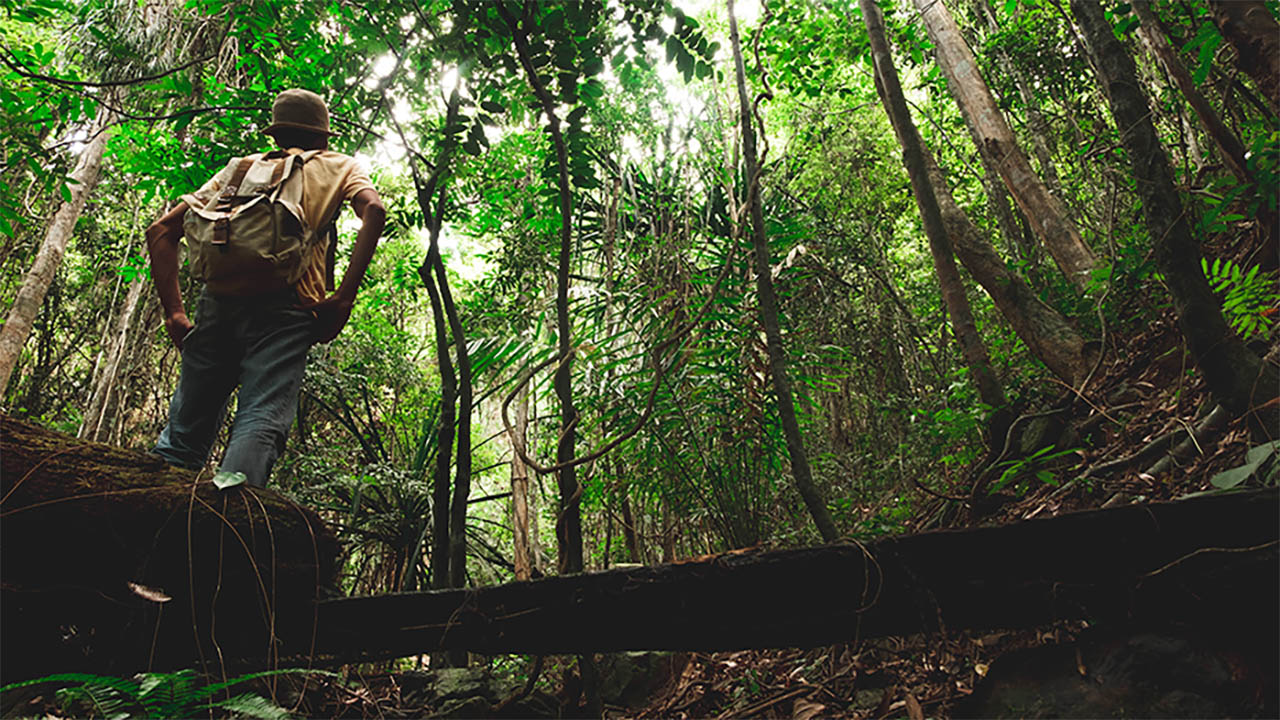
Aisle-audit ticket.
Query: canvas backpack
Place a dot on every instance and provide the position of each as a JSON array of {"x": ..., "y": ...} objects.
[{"x": 252, "y": 237}]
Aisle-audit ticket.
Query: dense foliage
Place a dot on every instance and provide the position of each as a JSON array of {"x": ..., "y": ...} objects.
[{"x": 579, "y": 168}]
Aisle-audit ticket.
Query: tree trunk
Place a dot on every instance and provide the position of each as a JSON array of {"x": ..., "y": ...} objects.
[
  {"x": 1041, "y": 139},
  {"x": 668, "y": 533},
  {"x": 444, "y": 436},
  {"x": 629, "y": 529},
  {"x": 521, "y": 555},
  {"x": 569, "y": 523},
  {"x": 462, "y": 465},
  {"x": 1209, "y": 562},
  {"x": 115, "y": 562},
  {"x": 1238, "y": 379},
  {"x": 1230, "y": 149},
  {"x": 944, "y": 264},
  {"x": 96, "y": 424},
  {"x": 17, "y": 326},
  {"x": 1047, "y": 334},
  {"x": 991, "y": 132},
  {"x": 800, "y": 470},
  {"x": 1249, "y": 27}
]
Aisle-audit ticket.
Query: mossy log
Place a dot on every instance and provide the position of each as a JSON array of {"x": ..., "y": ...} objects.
[
  {"x": 113, "y": 562},
  {"x": 1208, "y": 562}
]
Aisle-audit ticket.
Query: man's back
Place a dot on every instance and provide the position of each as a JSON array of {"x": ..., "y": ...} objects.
[{"x": 329, "y": 179}]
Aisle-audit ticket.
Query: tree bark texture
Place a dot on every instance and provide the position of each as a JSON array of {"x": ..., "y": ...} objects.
[
  {"x": 1041, "y": 139},
  {"x": 82, "y": 521},
  {"x": 954, "y": 299},
  {"x": 17, "y": 325},
  {"x": 1238, "y": 379},
  {"x": 1047, "y": 215},
  {"x": 1209, "y": 561},
  {"x": 1255, "y": 35},
  {"x": 1048, "y": 335},
  {"x": 800, "y": 469},
  {"x": 1230, "y": 149}
]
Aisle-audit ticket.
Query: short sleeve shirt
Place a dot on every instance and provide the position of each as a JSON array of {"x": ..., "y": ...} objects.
[{"x": 328, "y": 180}]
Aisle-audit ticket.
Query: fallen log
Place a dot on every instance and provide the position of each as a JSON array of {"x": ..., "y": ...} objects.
[
  {"x": 1209, "y": 560},
  {"x": 112, "y": 562}
]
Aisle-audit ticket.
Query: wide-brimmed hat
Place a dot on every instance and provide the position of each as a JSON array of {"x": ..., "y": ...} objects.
[{"x": 301, "y": 109}]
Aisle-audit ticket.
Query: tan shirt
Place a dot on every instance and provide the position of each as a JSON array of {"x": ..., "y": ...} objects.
[{"x": 328, "y": 180}]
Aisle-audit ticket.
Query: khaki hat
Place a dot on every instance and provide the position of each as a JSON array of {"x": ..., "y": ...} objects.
[{"x": 301, "y": 109}]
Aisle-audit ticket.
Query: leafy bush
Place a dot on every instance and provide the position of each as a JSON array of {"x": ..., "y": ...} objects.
[
  {"x": 1249, "y": 298},
  {"x": 180, "y": 694}
]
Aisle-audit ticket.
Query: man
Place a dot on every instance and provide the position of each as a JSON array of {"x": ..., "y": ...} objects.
[{"x": 259, "y": 340}]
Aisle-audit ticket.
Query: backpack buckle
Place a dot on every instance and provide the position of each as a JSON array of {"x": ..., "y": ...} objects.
[{"x": 221, "y": 232}]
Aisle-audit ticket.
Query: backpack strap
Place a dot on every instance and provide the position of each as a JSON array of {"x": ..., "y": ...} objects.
[
  {"x": 330, "y": 231},
  {"x": 237, "y": 177}
]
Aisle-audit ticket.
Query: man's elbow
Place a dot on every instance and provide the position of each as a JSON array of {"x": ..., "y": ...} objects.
[
  {"x": 374, "y": 216},
  {"x": 157, "y": 234}
]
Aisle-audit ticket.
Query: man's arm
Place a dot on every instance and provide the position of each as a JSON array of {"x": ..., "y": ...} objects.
[
  {"x": 162, "y": 245},
  {"x": 334, "y": 311}
]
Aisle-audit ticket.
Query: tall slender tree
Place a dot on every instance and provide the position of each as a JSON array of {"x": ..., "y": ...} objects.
[
  {"x": 1046, "y": 213},
  {"x": 952, "y": 288},
  {"x": 800, "y": 469},
  {"x": 17, "y": 325},
  {"x": 569, "y": 526},
  {"x": 1239, "y": 380},
  {"x": 1230, "y": 149},
  {"x": 1250, "y": 28}
]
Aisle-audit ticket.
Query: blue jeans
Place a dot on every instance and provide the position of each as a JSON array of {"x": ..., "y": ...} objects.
[{"x": 259, "y": 343}]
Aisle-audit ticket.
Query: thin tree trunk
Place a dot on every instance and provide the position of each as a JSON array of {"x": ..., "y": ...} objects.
[
  {"x": 1047, "y": 215},
  {"x": 1238, "y": 379},
  {"x": 949, "y": 283},
  {"x": 462, "y": 464},
  {"x": 1249, "y": 27},
  {"x": 569, "y": 525},
  {"x": 17, "y": 326},
  {"x": 1230, "y": 149},
  {"x": 1041, "y": 139},
  {"x": 521, "y": 556},
  {"x": 769, "y": 306},
  {"x": 629, "y": 529},
  {"x": 109, "y": 374},
  {"x": 668, "y": 534},
  {"x": 444, "y": 435}
]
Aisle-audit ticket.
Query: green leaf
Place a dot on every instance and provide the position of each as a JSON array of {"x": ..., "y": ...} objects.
[
  {"x": 65, "y": 191},
  {"x": 1228, "y": 479},
  {"x": 493, "y": 107},
  {"x": 1256, "y": 455}
]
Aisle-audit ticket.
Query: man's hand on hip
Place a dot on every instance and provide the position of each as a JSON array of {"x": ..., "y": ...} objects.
[
  {"x": 179, "y": 327},
  {"x": 331, "y": 314}
]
